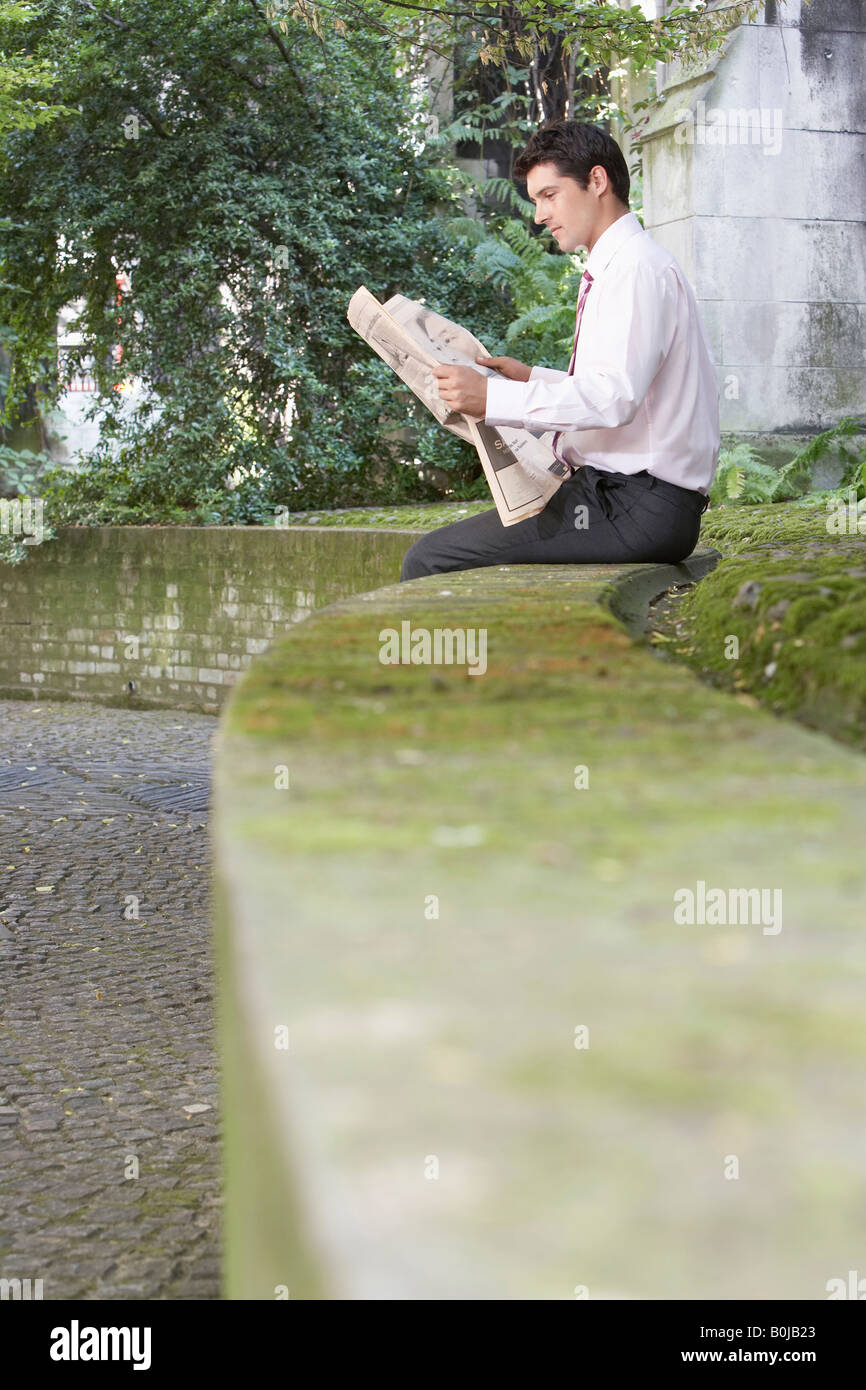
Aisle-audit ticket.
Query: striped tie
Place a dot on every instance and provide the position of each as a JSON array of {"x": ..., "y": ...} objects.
[{"x": 585, "y": 284}]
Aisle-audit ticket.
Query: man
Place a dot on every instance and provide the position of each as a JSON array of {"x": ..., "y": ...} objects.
[{"x": 636, "y": 415}]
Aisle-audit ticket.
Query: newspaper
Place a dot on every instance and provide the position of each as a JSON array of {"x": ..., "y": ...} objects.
[{"x": 412, "y": 339}]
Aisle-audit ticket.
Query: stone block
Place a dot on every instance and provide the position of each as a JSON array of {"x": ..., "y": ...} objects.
[
  {"x": 809, "y": 399},
  {"x": 679, "y": 238},
  {"x": 667, "y": 182},
  {"x": 780, "y": 258},
  {"x": 812, "y": 176},
  {"x": 815, "y": 91},
  {"x": 780, "y": 334},
  {"x": 818, "y": 16}
]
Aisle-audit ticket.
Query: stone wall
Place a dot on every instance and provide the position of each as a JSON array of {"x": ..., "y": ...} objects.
[
  {"x": 468, "y": 1050},
  {"x": 151, "y": 617},
  {"x": 754, "y": 179}
]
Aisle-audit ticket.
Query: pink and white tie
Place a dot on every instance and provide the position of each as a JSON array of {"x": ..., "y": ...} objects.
[{"x": 585, "y": 284}]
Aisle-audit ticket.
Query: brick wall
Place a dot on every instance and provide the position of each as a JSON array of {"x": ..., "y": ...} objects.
[{"x": 177, "y": 612}]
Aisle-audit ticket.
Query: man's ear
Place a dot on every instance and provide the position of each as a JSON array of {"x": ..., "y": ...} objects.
[{"x": 599, "y": 181}]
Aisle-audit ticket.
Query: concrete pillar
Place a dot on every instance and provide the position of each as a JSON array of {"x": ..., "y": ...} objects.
[{"x": 755, "y": 178}]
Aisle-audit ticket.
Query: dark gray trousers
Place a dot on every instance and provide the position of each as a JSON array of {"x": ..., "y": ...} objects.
[{"x": 627, "y": 518}]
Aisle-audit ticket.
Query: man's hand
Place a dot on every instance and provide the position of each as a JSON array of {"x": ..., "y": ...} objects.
[
  {"x": 507, "y": 366},
  {"x": 463, "y": 389}
]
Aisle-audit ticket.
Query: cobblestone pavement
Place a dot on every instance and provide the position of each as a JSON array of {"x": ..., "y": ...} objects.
[{"x": 109, "y": 1143}]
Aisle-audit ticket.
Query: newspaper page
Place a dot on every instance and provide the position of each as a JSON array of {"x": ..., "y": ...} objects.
[{"x": 412, "y": 338}]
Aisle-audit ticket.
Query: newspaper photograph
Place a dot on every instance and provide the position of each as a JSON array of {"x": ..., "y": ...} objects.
[{"x": 412, "y": 338}]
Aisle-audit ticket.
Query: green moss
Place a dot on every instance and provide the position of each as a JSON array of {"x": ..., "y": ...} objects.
[
  {"x": 423, "y": 517},
  {"x": 452, "y": 1034},
  {"x": 801, "y": 640}
]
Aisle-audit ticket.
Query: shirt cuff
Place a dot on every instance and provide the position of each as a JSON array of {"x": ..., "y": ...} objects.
[
  {"x": 505, "y": 402},
  {"x": 546, "y": 374}
]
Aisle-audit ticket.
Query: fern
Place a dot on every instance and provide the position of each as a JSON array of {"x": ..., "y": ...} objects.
[
  {"x": 542, "y": 318},
  {"x": 467, "y": 229},
  {"x": 742, "y": 476},
  {"x": 504, "y": 191},
  {"x": 835, "y": 440},
  {"x": 819, "y": 447},
  {"x": 495, "y": 261},
  {"x": 733, "y": 482},
  {"x": 521, "y": 241},
  {"x": 458, "y": 130},
  {"x": 536, "y": 264}
]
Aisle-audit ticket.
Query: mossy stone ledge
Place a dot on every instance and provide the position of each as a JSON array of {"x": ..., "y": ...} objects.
[
  {"x": 468, "y": 1049},
  {"x": 791, "y": 589}
]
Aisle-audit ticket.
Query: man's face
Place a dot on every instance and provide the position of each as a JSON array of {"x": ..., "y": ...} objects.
[{"x": 570, "y": 212}]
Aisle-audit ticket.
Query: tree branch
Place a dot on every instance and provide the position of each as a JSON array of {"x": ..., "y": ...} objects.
[
  {"x": 251, "y": 79},
  {"x": 277, "y": 41},
  {"x": 152, "y": 119},
  {"x": 103, "y": 14}
]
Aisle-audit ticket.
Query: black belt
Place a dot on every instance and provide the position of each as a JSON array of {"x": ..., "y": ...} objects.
[{"x": 602, "y": 481}]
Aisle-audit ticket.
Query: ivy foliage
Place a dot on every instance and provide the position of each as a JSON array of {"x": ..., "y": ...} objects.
[
  {"x": 23, "y": 79},
  {"x": 242, "y": 177}
]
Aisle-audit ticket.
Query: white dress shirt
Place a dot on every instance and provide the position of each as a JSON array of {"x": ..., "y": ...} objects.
[{"x": 644, "y": 394}]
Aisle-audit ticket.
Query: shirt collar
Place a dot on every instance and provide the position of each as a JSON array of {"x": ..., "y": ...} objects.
[{"x": 610, "y": 241}]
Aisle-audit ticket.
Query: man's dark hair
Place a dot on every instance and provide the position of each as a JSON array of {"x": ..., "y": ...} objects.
[{"x": 576, "y": 148}]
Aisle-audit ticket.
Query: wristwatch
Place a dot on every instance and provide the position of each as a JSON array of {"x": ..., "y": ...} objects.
[{"x": 561, "y": 469}]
